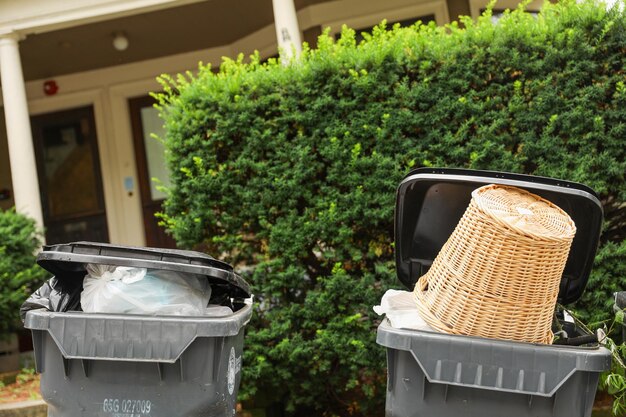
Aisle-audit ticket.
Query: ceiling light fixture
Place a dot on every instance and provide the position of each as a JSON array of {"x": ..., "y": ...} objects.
[{"x": 120, "y": 41}]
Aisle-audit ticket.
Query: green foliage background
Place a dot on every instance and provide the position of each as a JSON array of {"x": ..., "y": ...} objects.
[
  {"x": 19, "y": 275},
  {"x": 290, "y": 172}
]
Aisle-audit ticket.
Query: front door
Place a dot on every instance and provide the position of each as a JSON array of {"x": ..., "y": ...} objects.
[
  {"x": 151, "y": 168},
  {"x": 68, "y": 166}
]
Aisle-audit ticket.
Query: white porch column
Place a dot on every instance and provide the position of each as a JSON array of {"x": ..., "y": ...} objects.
[
  {"x": 19, "y": 135},
  {"x": 287, "y": 30}
]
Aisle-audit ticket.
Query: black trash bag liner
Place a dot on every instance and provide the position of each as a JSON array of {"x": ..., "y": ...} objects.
[
  {"x": 54, "y": 295},
  {"x": 220, "y": 295}
]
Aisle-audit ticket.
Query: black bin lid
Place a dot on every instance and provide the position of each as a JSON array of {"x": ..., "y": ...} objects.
[
  {"x": 430, "y": 203},
  {"x": 68, "y": 261}
]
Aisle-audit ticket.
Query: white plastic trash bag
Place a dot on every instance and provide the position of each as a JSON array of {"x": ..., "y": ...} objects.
[
  {"x": 400, "y": 307},
  {"x": 118, "y": 289}
]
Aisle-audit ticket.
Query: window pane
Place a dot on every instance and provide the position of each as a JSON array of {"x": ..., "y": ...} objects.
[{"x": 155, "y": 151}]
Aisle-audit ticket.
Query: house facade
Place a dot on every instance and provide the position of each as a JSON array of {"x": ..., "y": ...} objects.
[{"x": 76, "y": 151}]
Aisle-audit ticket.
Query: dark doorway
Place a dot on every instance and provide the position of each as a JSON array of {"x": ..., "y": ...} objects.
[
  {"x": 150, "y": 158},
  {"x": 70, "y": 180}
]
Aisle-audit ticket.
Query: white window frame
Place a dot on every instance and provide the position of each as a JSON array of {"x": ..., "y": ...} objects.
[{"x": 477, "y": 5}]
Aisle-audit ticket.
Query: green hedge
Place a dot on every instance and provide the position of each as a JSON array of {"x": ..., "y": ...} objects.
[
  {"x": 290, "y": 172},
  {"x": 19, "y": 275}
]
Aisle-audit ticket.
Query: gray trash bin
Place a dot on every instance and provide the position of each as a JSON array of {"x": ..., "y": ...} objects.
[
  {"x": 114, "y": 365},
  {"x": 436, "y": 374}
]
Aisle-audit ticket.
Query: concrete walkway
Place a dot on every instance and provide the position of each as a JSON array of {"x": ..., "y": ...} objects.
[{"x": 36, "y": 408}]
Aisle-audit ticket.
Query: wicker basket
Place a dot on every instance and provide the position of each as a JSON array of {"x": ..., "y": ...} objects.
[{"x": 498, "y": 274}]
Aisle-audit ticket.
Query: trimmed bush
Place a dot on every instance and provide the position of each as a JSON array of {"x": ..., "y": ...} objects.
[
  {"x": 290, "y": 172},
  {"x": 19, "y": 274}
]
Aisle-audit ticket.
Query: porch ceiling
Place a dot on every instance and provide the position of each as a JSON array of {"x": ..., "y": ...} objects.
[{"x": 155, "y": 34}]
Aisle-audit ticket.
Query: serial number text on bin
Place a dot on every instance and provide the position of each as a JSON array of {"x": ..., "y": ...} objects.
[{"x": 119, "y": 407}]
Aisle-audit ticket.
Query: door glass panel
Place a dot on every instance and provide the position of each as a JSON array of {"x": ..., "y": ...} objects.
[
  {"x": 69, "y": 167},
  {"x": 155, "y": 151}
]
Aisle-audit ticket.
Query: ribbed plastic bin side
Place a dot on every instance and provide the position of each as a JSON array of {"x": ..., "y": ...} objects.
[
  {"x": 138, "y": 366},
  {"x": 436, "y": 374}
]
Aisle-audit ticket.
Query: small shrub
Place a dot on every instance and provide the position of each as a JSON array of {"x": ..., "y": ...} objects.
[{"x": 19, "y": 274}]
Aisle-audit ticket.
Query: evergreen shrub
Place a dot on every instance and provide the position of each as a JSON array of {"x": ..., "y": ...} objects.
[
  {"x": 19, "y": 274},
  {"x": 290, "y": 171}
]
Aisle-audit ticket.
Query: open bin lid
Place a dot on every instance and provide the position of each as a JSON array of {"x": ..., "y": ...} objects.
[
  {"x": 430, "y": 203},
  {"x": 68, "y": 261}
]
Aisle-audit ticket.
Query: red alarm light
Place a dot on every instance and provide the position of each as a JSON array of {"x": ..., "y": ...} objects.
[{"x": 50, "y": 87}]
